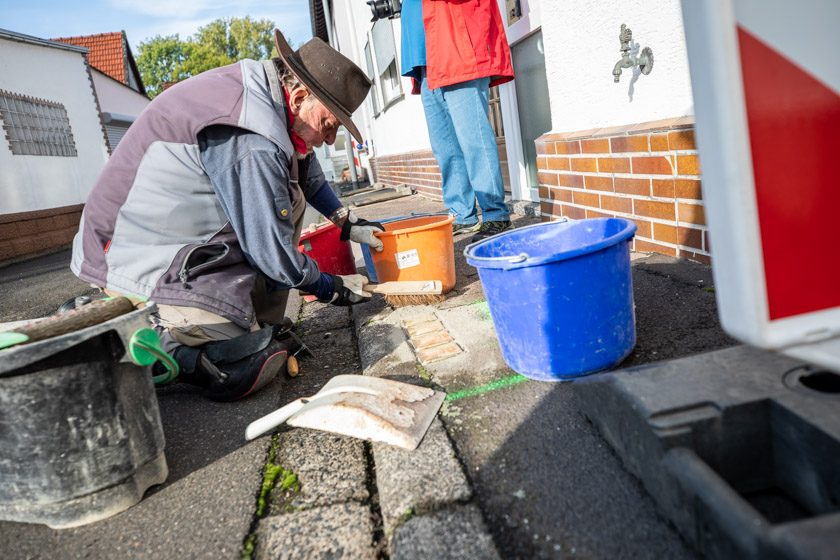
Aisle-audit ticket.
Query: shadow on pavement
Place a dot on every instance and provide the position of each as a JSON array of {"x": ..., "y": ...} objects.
[{"x": 547, "y": 483}]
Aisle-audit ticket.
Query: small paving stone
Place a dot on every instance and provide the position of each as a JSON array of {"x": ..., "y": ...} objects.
[
  {"x": 431, "y": 339},
  {"x": 330, "y": 469},
  {"x": 420, "y": 480},
  {"x": 419, "y": 319},
  {"x": 437, "y": 353},
  {"x": 454, "y": 533},
  {"x": 423, "y": 328},
  {"x": 340, "y": 531}
]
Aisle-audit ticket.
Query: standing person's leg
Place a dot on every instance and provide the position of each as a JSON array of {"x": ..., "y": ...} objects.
[
  {"x": 458, "y": 196},
  {"x": 467, "y": 105}
]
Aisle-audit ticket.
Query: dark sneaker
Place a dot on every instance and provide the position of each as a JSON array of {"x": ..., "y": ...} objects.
[
  {"x": 489, "y": 229},
  {"x": 460, "y": 229}
]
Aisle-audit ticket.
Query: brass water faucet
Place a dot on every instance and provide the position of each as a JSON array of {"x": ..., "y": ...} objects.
[{"x": 643, "y": 61}]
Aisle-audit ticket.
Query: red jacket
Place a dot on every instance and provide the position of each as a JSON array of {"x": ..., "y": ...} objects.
[{"x": 465, "y": 40}]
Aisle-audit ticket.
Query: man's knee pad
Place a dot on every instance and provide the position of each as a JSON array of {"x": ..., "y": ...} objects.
[{"x": 232, "y": 369}]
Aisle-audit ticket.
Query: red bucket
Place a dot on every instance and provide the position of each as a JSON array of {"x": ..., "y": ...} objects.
[{"x": 331, "y": 253}]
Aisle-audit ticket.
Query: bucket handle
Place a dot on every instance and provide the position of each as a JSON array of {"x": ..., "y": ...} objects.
[
  {"x": 521, "y": 257},
  {"x": 515, "y": 259}
]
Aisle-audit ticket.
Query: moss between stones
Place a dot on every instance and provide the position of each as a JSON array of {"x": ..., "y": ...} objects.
[{"x": 274, "y": 476}]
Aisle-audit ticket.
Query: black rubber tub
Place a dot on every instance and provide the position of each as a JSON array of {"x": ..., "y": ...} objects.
[{"x": 80, "y": 430}]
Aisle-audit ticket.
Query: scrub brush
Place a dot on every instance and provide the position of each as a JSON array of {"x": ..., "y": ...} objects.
[{"x": 402, "y": 294}]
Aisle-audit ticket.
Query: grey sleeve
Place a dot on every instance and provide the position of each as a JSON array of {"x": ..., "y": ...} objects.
[{"x": 251, "y": 176}]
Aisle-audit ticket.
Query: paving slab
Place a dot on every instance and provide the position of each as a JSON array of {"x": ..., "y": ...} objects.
[
  {"x": 336, "y": 532},
  {"x": 454, "y": 533},
  {"x": 423, "y": 480},
  {"x": 330, "y": 469}
]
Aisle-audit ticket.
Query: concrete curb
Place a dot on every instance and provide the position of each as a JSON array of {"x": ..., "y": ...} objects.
[{"x": 423, "y": 494}]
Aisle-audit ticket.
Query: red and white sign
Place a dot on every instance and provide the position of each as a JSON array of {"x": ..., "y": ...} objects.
[{"x": 766, "y": 84}]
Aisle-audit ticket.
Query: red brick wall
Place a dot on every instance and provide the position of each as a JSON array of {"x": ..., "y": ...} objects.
[
  {"x": 647, "y": 172},
  {"x": 420, "y": 170},
  {"x": 30, "y": 233}
]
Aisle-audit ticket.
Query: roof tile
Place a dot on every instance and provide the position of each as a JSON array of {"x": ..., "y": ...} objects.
[{"x": 107, "y": 53}]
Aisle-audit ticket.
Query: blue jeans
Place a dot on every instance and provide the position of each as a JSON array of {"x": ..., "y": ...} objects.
[{"x": 465, "y": 148}]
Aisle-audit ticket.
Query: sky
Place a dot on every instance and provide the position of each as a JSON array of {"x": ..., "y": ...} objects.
[{"x": 143, "y": 19}]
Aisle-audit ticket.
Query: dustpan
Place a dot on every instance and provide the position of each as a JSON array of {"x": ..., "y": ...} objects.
[{"x": 363, "y": 407}]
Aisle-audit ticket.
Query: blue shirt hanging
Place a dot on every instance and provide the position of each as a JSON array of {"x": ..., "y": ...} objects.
[{"x": 413, "y": 38}]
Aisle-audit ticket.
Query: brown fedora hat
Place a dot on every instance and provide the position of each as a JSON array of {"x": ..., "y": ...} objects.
[{"x": 329, "y": 75}]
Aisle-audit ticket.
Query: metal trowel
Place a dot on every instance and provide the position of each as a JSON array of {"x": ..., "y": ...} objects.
[{"x": 363, "y": 407}]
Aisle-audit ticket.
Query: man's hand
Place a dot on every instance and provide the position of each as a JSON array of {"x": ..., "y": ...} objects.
[
  {"x": 361, "y": 231},
  {"x": 349, "y": 290}
]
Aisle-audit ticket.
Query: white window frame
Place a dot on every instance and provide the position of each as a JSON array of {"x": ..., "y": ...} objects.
[{"x": 387, "y": 82}]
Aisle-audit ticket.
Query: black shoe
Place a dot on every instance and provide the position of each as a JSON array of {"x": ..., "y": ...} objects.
[
  {"x": 489, "y": 229},
  {"x": 234, "y": 369},
  {"x": 458, "y": 229}
]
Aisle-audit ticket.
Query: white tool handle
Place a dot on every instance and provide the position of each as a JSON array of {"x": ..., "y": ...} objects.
[{"x": 262, "y": 425}]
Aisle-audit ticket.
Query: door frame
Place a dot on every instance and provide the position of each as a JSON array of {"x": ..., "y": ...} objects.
[{"x": 528, "y": 23}]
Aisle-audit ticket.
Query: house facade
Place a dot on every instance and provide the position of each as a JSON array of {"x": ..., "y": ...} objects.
[
  {"x": 116, "y": 78},
  {"x": 53, "y": 143},
  {"x": 573, "y": 142}
]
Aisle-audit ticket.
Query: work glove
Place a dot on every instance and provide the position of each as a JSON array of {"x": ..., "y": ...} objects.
[
  {"x": 349, "y": 290},
  {"x": 361, "y": 231}
]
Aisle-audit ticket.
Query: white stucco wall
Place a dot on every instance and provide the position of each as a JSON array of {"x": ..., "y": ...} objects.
[
  {"x": 41, "y": 182},
  {"x": 402, "y": 126},
  {"x": 115, "y": 97},
  {"x": 582, "y": 46}
]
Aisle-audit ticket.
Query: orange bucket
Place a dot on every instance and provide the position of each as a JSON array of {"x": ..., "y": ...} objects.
[{"x": 417, "y": 249}]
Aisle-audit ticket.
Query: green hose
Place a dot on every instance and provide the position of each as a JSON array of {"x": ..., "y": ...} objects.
[{"x": 144, "y": 350}]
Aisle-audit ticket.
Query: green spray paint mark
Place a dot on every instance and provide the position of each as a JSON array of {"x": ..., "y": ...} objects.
[
  {"x": 483, "y": 309},
  {"x": 486, "y": 388}
]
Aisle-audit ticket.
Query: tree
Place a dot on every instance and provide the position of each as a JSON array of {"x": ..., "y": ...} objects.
[
  {"x": 220, "y": 42},
  {"x": 159, "y": 60}
]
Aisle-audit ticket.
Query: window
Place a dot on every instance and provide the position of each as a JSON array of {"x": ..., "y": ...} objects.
[
  {"x": 513, "y": 10},
  {"x": 389, "y": 81},
  {"x": 372, "y": 75},
  {"x": 35, "y": 127},
  {"x": 385, "y": 55}
]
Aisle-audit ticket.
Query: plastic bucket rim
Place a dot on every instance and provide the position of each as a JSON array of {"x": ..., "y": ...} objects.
[
  {"x": 407, "y": 217},
  {"x": 524, "y": 260},
  {"x": 323, "y": 228},
  {"x": 445, "y": 221}
]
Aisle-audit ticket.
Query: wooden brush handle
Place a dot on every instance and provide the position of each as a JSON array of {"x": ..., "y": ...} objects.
[
  {"x": 406, "y": 288},
  {"x": 85, "y": 316}
]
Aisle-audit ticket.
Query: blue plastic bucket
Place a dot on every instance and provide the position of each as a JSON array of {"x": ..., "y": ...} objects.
[
  {"x": 561, "y": 295},
  {"x": 371, "y": 269}
]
